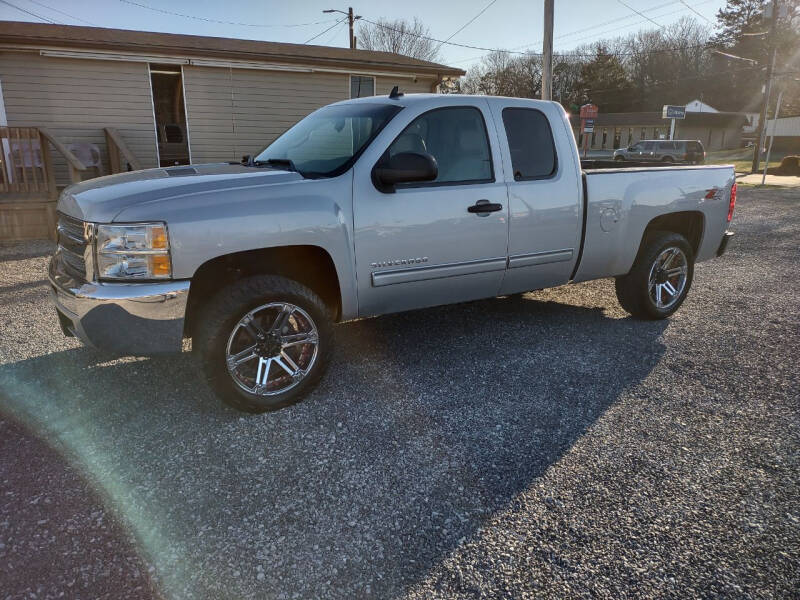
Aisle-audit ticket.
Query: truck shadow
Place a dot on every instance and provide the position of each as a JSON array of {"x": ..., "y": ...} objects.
[{"x": 426, "y": 424}]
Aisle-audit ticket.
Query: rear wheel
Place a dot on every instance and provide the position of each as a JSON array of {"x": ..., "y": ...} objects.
[
  {"x": 660, "y": 278},
  {"x": 619, "y": 158},
  {"x": 264, "y": 342},
  {"x": 667, "y": 159}
]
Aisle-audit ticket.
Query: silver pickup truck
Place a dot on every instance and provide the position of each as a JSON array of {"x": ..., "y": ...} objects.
[{"x": 367, "y": 207}]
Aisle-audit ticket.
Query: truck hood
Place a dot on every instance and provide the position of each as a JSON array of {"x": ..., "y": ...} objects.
[{"x": 101, "y": 200}]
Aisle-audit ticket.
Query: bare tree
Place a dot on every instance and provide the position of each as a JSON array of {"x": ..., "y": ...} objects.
[{"x": 409, "y": 38}]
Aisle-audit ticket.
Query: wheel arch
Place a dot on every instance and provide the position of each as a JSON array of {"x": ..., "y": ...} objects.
[
  {"x": 690, "y": 224},
  {"x": 309, "y": 265}
]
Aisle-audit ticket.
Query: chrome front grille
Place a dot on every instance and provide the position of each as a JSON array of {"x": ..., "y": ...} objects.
[{"x": 74, "y": 239}]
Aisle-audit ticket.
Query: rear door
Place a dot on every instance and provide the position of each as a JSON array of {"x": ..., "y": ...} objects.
[
  {"x": 421, "y": 245},
  {"x": 648, "y": 151},
  {"x": 544, "y": 194}
]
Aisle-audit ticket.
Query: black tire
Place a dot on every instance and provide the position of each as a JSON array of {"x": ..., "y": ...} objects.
[
  {"x": 219, "y": 318},
  {"x": 619, "y": 158},
  {"x": 667, "y": 159},
  {"x": 633, "y": 291}
]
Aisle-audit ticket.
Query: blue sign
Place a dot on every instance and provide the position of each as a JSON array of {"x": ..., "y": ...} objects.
[{"x": 673, "y": 112}]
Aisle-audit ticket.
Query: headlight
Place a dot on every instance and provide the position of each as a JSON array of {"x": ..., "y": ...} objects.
[{"x": 138, "y": 251}]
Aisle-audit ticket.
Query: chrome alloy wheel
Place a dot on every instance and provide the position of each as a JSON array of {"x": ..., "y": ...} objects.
[
  {"x": 272, "y": 348},
  {"x": 668, "y": 277}
]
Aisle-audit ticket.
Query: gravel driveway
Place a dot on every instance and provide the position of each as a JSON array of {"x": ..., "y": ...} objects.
[{"x": 540, "y": 445}]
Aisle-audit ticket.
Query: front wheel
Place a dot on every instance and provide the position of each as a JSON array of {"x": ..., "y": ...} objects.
[
  {"x": 619, "y": 158},
  {"x": 264, "y": 342},
  {"x": 661, "y": 276}
]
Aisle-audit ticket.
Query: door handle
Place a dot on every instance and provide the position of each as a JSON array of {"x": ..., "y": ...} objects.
[{"x": 483, "y": 207}]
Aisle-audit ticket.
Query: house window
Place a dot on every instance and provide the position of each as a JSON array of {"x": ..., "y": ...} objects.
[
  {"x": 605, "y": 138},
  {"x": 644, "y": 133},
  {"x": 361, "y": 86},
  {"x": 629, "y": 141},
  {"x": 617, "y": 135}
]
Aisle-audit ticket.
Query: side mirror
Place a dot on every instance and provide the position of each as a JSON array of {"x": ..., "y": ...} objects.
[
  {"x": 631, "y": 149},
  {"x": 404, "y": 167}
]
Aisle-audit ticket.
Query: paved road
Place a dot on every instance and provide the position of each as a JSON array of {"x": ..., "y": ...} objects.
[{"x": 543, "y": 445}]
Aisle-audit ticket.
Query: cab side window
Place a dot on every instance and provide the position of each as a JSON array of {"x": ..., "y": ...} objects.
[
  {"x": 456, "y": 137},
  {"x": 530, "y": 141}
]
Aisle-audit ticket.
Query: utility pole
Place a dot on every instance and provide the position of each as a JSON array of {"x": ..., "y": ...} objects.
[
  {"x": 772, "y": 138},
  {"x": 762, "y": 121},
  {"x": 547, "y": 52},
  {"x": 351, "y": 18}
]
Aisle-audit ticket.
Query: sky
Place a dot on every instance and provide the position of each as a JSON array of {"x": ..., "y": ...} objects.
[{"x": 509, "y": 24}]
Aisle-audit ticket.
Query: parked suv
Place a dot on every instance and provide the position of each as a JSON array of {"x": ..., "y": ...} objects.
[{"x": 668, "y": 151}]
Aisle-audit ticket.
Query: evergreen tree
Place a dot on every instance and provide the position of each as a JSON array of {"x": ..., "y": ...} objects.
[{"x": 604, "y": 82}]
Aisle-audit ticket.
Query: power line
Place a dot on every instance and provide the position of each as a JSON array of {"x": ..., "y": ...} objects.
[
  {"x": 674, "y": 12},
  {"x": 702, "y": 16},
  {"x": 73, "y": 17},
  {"x": 335, "y": 33},
  {"x": 208, "y": 20},
  {"x": 515, "y": 49},
  {"x": 468, "y": 23},
  {"x": 659, "y": 25},
  {"x": 326, "y": 30},
  {"x": 33, "y": 14}
]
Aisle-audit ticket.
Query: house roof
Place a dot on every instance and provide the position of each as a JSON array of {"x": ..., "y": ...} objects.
[{"x": 16, "y": 33}]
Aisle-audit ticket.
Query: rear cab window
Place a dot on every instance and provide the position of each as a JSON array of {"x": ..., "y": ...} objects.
[{"x": 531, "y": 144}]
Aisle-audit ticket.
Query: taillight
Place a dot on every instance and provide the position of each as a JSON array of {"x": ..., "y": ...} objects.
[{"x": 732, "y": 204}]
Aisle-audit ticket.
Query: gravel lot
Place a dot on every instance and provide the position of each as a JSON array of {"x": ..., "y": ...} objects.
[{"x": 543, "y": 445}]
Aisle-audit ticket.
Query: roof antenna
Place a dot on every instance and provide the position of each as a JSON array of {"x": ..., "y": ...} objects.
[{"x": 395, "y": 93}]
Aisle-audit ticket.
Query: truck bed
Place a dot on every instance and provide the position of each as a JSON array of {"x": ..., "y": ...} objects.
[{"x": 619, "y": 204}]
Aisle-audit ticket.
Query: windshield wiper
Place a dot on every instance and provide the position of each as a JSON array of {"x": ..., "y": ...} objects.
[{"x": 284, "y": 163}]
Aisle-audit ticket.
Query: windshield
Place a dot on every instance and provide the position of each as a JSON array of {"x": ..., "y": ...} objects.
[{"x": 327, "y": 142}]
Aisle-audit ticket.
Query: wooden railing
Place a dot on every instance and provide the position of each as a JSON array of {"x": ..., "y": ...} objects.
[
  {"x": 27, "y": 164},
  {"x": 28, "y": 189},
  {"x": 27, "y": 168},
  {"x": 119, "y": 155},
  {"x": 74, "y": 165}
]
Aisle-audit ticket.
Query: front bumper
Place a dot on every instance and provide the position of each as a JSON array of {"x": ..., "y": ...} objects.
[{"x": 121, "y": 318}]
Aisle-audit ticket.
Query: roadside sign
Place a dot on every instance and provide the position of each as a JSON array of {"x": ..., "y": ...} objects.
[
  {"x": 589, "y": 113},
  {"x": 673, "y": 112}
]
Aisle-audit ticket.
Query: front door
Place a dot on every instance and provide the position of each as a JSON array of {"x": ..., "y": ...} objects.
[{"x": 422, "y": 245}]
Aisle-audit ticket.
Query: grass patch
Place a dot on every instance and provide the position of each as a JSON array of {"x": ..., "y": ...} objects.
[{"x": 741, "y": 159}]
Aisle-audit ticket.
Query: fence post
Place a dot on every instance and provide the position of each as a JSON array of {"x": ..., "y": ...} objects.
[
  {"x": 49, "y": 172},
  {"x": 113, "y": 153}
]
